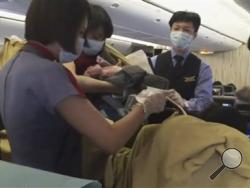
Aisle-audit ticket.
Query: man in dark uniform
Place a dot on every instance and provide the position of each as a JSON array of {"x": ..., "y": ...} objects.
[{"x": 190, "y": 78}]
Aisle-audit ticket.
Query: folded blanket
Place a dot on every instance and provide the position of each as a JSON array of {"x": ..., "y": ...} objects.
[{"x": 182, "y": 152}]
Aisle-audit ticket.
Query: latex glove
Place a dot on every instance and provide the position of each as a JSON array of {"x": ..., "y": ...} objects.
[
  {"x": 110, "y": 71},
  {"x": 244, "y": 94},
  {"x": 102, "y": 62},
  {"x": 93, "y": 71},
  {"x": 152, "y": 101},
  {"x": 176, "y": 97}
]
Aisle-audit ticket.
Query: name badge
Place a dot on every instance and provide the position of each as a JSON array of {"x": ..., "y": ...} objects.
[{"x": 189, "y": 79}]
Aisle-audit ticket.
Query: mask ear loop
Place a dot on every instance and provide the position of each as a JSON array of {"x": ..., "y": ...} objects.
[{"x": 177, "y": 105}]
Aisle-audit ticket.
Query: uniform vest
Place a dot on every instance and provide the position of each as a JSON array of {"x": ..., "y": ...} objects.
[{"x": 185, "y": 81}]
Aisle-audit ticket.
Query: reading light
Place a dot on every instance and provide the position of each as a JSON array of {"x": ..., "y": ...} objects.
[{"x": 205, "y": 52}]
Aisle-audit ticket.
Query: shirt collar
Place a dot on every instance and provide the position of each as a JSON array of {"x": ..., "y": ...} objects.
[
  {"x": 39, "y": 49},
  {"x": 185, "y": 55}
]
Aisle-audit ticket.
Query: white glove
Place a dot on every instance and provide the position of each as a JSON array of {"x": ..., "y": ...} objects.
[
  {"x": 153, "y": 101},
  {"x": 176, "y": 97},
  {"x": 93, "y": 71}
]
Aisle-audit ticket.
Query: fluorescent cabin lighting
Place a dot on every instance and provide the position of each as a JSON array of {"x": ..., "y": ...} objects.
[
  {"x": 127, "y": 39},
  {"x": 13, "y": 16},
  {"x": 205, "y": 52}
]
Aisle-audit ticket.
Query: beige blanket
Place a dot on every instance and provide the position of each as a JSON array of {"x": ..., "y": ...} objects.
[{"x": 182, "y": 152}]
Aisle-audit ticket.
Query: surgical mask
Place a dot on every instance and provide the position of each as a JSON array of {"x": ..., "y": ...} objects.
[
  {"x": 67, "y": 57},
  {"x": 94, "y": 47},
  {"x": 181, "y": 39}
]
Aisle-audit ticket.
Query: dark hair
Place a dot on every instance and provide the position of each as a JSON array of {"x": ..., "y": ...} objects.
[
  {"x": 48, "y": 21},
  {"x": 184, "y": 16},
  {"x": 226, "y": 115},
  {"x": 100, "y": 18},
  {"x": 217, "y": 83}
]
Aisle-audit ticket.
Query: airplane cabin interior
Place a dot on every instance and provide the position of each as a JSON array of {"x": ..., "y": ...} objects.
[{"x": 176, "y": 155}]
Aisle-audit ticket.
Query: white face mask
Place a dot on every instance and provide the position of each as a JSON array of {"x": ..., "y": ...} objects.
[
  {"x": 67, "y": 57},
  {"x": 181, "y": 39},
  {"x": 94, "y": 47}
]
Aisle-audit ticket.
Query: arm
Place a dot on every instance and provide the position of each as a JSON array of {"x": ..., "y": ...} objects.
[
  {"x": 92, "y": 85},
  {"x": 61, "y": 97},
  {"x": 203, "y": 91},
  {"x": 81, "y": 114}
]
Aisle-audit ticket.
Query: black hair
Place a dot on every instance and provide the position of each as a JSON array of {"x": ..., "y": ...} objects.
[
  {"x": 184, "y": 16},
  {"x": 100, "y": 18},
  {"x": 217, "y": 83},
  {"x": 229, "y": 116},
  {"x": 49, "y": 21}
]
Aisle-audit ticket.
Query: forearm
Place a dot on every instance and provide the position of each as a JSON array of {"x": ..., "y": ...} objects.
[
  {"x": 124, "y": 129},
  {"x": 92, "y": 85},
  {"x": 203, "y": 92},
  {"x": 85, "y": 118}
]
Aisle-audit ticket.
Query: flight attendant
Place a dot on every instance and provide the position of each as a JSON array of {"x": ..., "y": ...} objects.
[
  {"x": 43, "y": 109},
  {"x": 190, "y": 78}
]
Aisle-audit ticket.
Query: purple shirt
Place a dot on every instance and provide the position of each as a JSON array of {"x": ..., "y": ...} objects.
[
  {"x": 203, "y": 91},
  {"x": 30, "y": 88}
]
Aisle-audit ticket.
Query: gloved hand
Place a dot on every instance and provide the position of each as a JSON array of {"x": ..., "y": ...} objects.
[
  {"x": 153, "y": 101},
  {"x": 110, "y": 71},
  {"x": 176, "y": 97},
  {"x": 93, "y": 71}
]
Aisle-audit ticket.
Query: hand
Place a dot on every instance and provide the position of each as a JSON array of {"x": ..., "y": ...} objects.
[
  {"x": 110, "y": 71},
  {"x": 93, "y": 71},
  {"x": 176, "y": 97},
  {"x": 102, "y": 62},
  {"x": 244, "y": 94},
  {"x": 152, "y": 101}
]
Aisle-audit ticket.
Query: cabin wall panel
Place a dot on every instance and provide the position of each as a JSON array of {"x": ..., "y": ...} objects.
[{"x": 231, "y": 67}]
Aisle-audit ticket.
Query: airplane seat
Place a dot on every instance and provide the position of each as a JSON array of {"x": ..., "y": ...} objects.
[
  {"x": 244, "y": 110},
  {"x": 218, "y": 90},
  {"x": 224, "y": 101},
  {"x": 229, "y": 90},
  {"x": 5, "y": 149},
  {"x": 11, "y": 46}
]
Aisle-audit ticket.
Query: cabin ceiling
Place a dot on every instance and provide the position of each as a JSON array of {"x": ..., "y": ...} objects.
[
  {"x": 245, "y": 4},
  {"x": 143, "y": 21},
  {"x": 225, "y": 23}
]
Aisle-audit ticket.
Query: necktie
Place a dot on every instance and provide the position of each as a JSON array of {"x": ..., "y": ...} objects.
[{"x": 178, "y": 65}]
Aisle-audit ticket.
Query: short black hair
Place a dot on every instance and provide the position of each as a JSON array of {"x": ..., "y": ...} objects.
[
  {"x": 49, "y": 21},
  {"x": 184, "y": 16},
  {"x": 100, "y": 18},
  {"x": 217, "y": 83}
]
